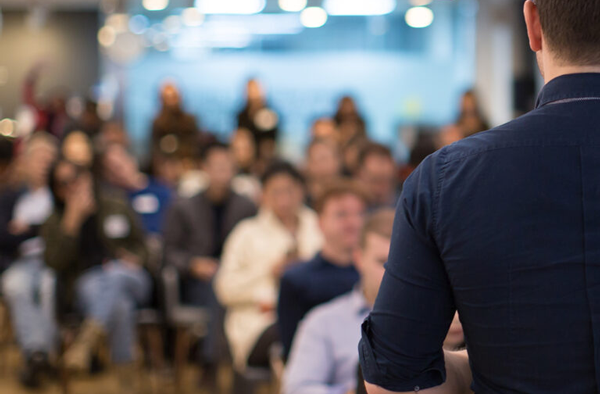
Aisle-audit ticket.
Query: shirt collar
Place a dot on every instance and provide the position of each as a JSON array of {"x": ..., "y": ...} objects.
[
  {"x": 584, "y": 86},
  {"x": 358, "y": 301}
]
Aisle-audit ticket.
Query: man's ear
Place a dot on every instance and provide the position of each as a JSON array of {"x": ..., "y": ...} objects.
[{"x": 534, "y": 27}]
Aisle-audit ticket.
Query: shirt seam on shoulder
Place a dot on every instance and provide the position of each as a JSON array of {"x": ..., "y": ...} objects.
[{"x": 523, "y": 145}]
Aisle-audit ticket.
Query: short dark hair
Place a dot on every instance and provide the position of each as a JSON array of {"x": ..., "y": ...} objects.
[
  {"x": 381, "y": 223},
  {"x": 340, "y": 188},
  {"x": 212, "y": 147},
  {"x": 374, "y": 149},
  {"x": 280, "y": 167},
  {"x": 572, "y": 29}
]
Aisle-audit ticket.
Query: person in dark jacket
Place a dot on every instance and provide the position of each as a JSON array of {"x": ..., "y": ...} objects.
[
  {"x": 97, "y": 248},
  {"x": 196, "y": 230}
]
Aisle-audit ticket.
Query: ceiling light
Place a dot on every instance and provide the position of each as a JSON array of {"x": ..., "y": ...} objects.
[
  {"x": 240, "y": 7},
  {"x": 192, "y": 17},
  {"x": 155, "y": 5},
  {"x": 419, "y": 17},
  {"x": 292, "y": 5},
  {"x": 359, "y": 7},
  {"x": 313, "y": 17}
]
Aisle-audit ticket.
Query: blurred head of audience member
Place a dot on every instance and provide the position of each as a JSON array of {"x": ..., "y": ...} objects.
[
  {"x": 331, "y": 273},
  {"x": 425, "y": 145},
  {"x": 6, "y": 160},
  {"x": 119, "y": 168},
  {"x": 219, "y": 165},
  {"x": 170, "y": 97},
  {"x": 255, "y": 95},
  {"x": 69, "y": 181},
  {"x": 41, "y": 151},
  {"x": 351, "y": 154},
  {"x": 168, "y": 169},
  {"x": 373, "y": 252},
  {"x": 324, "y": 129},
  {"x": 471, "y": 120},
  {"x": 323, "y": 165},
  {"x": 377, "y": 175},
  {"x": 244, "y": 151},
  {"x": 324, "y": 357},
  {"x": 349, "y": 121},
  {"x": 77, "y": 148},
  {"x": 283, "y": 192},
  {"x": 90, "y": 122},
  {"x": 113, "y": 133}
]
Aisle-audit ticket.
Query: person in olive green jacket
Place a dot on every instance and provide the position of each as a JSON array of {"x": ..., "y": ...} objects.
[{"x": 98, "y": 250}]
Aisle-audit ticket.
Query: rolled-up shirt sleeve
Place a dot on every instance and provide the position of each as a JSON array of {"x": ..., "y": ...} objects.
[{"x": 402, "y": 339}]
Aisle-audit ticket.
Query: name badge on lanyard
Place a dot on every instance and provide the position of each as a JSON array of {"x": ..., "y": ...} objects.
[{"x": 116, "y": 227}]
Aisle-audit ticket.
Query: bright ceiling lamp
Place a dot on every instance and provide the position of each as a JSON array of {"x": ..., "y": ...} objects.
[
  {"x": 238, "y": 7},
  {"x": 313, "y": 17},
  {"x": 155, "y": 5},
  {"x": 418, "y": 3},
  {"x": 292, "y": 5},
  {"x": 419, "y": 17},
  {"x": 359, "y": 7}
]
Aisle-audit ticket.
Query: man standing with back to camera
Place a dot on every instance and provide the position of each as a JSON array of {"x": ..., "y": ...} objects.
[{"x": 504, "y": 227}]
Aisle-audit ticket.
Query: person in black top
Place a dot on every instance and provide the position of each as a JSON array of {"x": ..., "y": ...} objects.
[{"x": 330, "y": 273}]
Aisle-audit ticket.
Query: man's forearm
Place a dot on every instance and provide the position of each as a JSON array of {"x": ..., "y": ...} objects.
[{"x": 458, "y": 377}]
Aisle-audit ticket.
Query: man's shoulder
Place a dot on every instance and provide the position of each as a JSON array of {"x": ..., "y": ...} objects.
[{"x": 519, "y": 132}]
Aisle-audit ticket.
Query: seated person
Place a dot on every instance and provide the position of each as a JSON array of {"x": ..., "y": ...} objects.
[
  {"x": 323, "y": 166},
  {"x": 27, "y": 285},
  {"x": 254, "y": 257},
  {"x": 324, "y": 357},
  {"x": 330, "y": 273},
  {"x": 195, "y": 232},
  {"x": 98, "y": 250},
  {"x": 376, "y": 172},
  {"x": 147, "y": 196}
]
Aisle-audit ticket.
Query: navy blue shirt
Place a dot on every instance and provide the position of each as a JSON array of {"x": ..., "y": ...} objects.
[
  {"x": 505, "y": 227},
  {"x": 306, "y": 286}
]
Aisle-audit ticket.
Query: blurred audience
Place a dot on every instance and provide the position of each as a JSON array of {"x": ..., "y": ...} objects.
[
  {"x": 195, "y": 233},
  {"x": 50, "y": 114},
  {"x": 117, "y": 168},
  {"x": 376, "y": 172},
  {"x": 174, "y": 130},
  {"x": 323, "y": 166},
  {"x": 260, "y": 120},
  {"x": 331, "y": 272},
  {"x": 349, "y": 121},
  {"x": 325, "y": 129},
  {"x": 324, "y": 356},
  {"x": 78, "y": 148},
  {"x": 470, "y": 121},
  {"x": 27, "y": 285},
  {"x": 97, "y": 248},
  {"x": 254, "y": 257}
]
